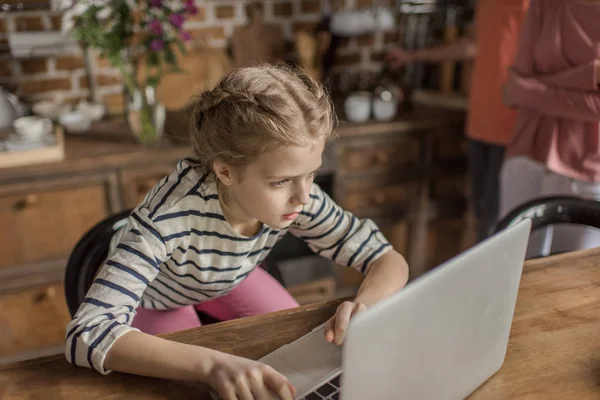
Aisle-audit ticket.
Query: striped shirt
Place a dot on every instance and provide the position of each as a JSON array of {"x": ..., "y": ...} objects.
[{"x": 177, "y": 249}]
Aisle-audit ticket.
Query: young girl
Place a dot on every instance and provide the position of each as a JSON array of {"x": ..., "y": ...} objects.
[{"x": 195, "y": 242}]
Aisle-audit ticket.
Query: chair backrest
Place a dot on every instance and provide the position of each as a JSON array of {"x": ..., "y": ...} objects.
[
  {"x": 88, "y": 256},
  {"x": 551, "y": 210}
]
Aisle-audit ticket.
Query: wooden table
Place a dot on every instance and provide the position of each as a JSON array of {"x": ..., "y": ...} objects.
[{"x": 554, "y": 349}]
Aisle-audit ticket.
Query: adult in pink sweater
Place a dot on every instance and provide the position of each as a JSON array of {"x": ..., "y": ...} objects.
[{"x": 555, "y": 84}]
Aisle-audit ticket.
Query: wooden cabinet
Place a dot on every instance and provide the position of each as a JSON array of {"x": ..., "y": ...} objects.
[
  {"x": 32, "y": 322},
  {"x": 43, "y": 222},
  {"x": 44, "y": 210},
  {"x": 406, "y": 175}
]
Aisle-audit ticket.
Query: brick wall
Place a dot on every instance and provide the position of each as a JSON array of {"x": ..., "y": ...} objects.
[{"x": 64, "y": 77}]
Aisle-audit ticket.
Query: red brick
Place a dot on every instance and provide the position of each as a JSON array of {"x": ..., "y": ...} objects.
[
  {"x": 45, "y": 85},
  {"x": 364, "y": 3},
  {"x": 29, "y": 23},
  {"x": 225, "y": 12},
  {"x": 200, "y": 15},
  {"x": 68, "y": 63},
  {"x": 305, "y": 26},
  {"x": 366, "y": 40},
  {"x": 392, "y": 37},
  {"x": 35, "y": 66},
  {"x": 283, "y": 9},
  {"x": 56, "y": 22},
  {"x": 108, "y": 80},
  {"x": 114, "y": 103},
  {"x": 378, "y": 56},
  {"x": 5, "y": 68},
  {"x": 102, "y": 62},
  {"x": 311, "y": 6},
  {"x": 348, "y": 59},
  {"x": 215, "y": 32},
  {"x": 101, "y": 80},
  {"x": 4, "y": 49}
]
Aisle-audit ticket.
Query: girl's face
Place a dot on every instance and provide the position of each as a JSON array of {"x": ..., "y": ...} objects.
[{"x": 272, "y": 190}]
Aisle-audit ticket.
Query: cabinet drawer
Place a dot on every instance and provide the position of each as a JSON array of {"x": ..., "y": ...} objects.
[
  {"x": 46, "y": 224},
  {"x": 362, "y": 201},
  {"x": 450, "y": 187},
  {"x": 32, "y": 320},
  {"x": 354, "y": 159}
]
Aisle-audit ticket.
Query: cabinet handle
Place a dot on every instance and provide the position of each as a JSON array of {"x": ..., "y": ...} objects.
[
  {"x": 380, "y": 158},
  {"x": 378, "y": 199},
  {"x": 27, "y": 201}
]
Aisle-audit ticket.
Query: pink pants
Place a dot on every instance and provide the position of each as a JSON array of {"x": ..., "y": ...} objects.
[{"x": 259, "y": 293}]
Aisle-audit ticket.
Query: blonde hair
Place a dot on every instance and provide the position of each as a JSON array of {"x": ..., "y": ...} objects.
[{"x": 256, "y": 109}]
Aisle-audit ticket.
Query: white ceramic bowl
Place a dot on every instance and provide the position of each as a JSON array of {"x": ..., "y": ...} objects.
[
  {"x": 93, "y": 111},
  {"x": 75, "y": 122},
  {"x": 50, "y": 109}
]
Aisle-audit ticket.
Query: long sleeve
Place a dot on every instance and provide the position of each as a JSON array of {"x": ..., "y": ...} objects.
[
  {"x": 337, "y": 234},
  {"x": 581, "y": 77},
  {"x": 109, "y": 306},
  {"x": 570, "y": 93},
  {"x": 555, "y": 101}
]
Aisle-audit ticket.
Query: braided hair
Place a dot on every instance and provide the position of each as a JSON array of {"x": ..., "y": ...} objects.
[{"x": 256, "y": 109}]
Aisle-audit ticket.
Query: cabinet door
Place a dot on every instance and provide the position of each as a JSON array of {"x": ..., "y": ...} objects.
[
  {"x": 137, "y": 182},
  {"x": 32, "y": 321},
  {"x": 44, "y": 221}
]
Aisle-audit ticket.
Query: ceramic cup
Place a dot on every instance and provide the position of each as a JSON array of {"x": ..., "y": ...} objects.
[
  {"x": 357, "y": 106},
  {"x": 31, "y": 127}
]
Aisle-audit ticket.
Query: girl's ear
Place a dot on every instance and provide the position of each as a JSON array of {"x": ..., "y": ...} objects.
[{"x": 223, "y": 172}]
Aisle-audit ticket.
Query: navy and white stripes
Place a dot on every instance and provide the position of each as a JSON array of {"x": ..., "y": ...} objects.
[{"x": 177, "y": 249}]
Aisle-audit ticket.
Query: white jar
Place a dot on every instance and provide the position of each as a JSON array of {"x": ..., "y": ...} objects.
[
  {"x": 357, "y": 106},
  {"x": 385, "y": 106}
]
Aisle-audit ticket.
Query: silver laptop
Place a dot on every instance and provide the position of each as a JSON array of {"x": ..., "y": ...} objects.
[{"x": 441, "y": 337}]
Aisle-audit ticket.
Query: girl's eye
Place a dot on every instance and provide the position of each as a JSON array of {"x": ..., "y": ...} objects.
[{"x": 280, "y": 184}]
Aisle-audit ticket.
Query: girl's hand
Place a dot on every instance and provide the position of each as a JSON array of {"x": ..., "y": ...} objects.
[
  {"x": 336, "y": 327},
  {"x": 239, "y": 378}
]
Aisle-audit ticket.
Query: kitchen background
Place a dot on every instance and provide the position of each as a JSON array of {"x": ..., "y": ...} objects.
[{"x": 406, "y": 170}]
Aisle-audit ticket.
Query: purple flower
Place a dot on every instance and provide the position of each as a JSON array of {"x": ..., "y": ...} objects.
[
  {"x": 176, "y": 20},
  {"x": 190, "y": 7},
  {"x": 155, "y": 27},
  {"x": 157, "y": 44},
  {"x": 185, "y": 36},
  {"x": 156, "y": 3}
]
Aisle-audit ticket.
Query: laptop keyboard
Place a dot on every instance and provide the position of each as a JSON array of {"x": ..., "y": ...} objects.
[{"x": 329, "y": 390}]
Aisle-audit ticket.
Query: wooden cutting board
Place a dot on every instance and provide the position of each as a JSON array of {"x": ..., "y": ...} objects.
[
  {"x": 257, "y": 41},
  {"x": 201, "y": 68}
]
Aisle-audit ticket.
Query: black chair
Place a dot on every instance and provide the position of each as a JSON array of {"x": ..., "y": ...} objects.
[
  {"x": 553, "y": 210},
  {"x": 90, "y": 253}
]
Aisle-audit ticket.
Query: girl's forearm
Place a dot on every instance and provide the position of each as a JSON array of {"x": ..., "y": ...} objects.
[
  {"x": 143, "y": 354},
  {"x": 387, "y": 275}
]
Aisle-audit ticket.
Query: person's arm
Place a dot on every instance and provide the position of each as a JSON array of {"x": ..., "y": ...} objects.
[
  {"x": 357, "y": 243},
  {"x": 461, "y": 50},
  {"x": 582, "y": 77},
  {"x": 552, "y": 100},
  {"x": 528, "y": 90}
]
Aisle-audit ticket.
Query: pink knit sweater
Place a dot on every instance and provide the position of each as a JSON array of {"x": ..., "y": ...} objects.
[{"x": 556, "y": 88}]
